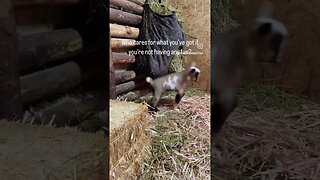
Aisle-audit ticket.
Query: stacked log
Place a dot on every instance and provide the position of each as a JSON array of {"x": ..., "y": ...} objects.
[
  {"x": 123, "y": 31},
  {"x": 119, "y": 58},
  {"x": 41, "y": 84},
  {"x": 127, "y": 5},
  {"x": 32, "y": 3},
  {"x": 124, "y": 76},
  {"x": 125, "y": 19},
  {"x": 35, "y": 56},
  {"x": 42, "y": 48},
  {"x": 112, "y": 86},
  {"x": 122, "y": 17}
]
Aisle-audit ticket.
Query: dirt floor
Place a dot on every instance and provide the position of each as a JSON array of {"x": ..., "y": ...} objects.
[{"x": 43, "y": 152}]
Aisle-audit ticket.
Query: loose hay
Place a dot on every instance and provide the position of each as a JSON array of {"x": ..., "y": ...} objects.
[
  {"x": 129, "y": 141},
  {"x": 176, "y": 64},
  {"x": 280, "y": 142},
  {"x": 220, "y": 16},
  {"x": 180, "y": 141}
]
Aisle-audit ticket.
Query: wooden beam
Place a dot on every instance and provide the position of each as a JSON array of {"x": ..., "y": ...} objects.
[
  {"x": 27, "y": 3},
  {"x": 123, "y": 31},
  {"x": 27, "y": 29},
  {"x": 120, "y": 58},
  {"x": 122, "y": 45},
  {"x": 11, "y": 106},
  {"x": 124, "y": 18},
  {"x": 112, "y": 86},
  {"x": 127, "y": 5},
  {"x": 125, "y": 87},
  {"x": 66, "y": 111},
  {"x": 124, "y": 76},
  {"x": 41, "y": 48},
  {"x": 49, "y": 81},
  {"x": 139, "y": 2}
]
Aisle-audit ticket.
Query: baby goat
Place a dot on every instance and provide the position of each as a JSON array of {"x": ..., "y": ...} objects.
[
  {"x": 173, "y": 82},
  {"x": 236, "y": 54}
]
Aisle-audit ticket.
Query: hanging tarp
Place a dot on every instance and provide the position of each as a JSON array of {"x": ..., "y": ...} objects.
[{"x": 157, "y": 32}]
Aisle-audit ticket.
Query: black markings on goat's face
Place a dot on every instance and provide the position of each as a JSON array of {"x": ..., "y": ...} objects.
[
  {"x": 270, "y": 41},
  {"x": 195, "y": 73}
]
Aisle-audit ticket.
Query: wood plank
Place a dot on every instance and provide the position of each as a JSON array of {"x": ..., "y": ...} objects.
[
  {"x": 121, "y": 58},
  {"x": 125, "y": 87},
  {"x": 112, "y": 86},
  {"x": 42, "y": 48},
  {"x": 43, "y": 83},
  {"x": 124, "y": 18},
  {"x": 121, "y": 31},
  {"x": 127, "y": 5},
  {"x": 10, "y": 97},
  {"x": 122, "y": 45},
  {"x": 124, "y": 76},
  {"x": 28, "y": 3},
  {"x": 139, "y": 2}
]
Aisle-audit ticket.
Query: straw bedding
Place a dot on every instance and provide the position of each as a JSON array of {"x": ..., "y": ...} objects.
[
  {"x": 275, "y": 136},
  {"x": 180, "y": 144},
  {"x": 129, "y": 141},
  {"x": 271, "y": 135}
]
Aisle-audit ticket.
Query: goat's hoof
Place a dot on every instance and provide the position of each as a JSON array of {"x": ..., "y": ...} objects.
[{"x": 153, "y": 109}]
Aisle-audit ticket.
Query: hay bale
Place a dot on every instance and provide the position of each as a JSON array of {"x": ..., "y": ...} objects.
[{"x": 129, "y": 141}]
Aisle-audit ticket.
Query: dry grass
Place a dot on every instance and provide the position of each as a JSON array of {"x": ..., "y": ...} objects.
[
  {"x": 220, "y": 16},
  {"x": 272, "y": 135},
  {"x": 180, "y": 141},
  {"x": 176, "y": 64}
]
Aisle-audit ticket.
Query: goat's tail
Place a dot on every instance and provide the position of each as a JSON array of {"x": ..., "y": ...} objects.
[{"x": 149, "y": 80}]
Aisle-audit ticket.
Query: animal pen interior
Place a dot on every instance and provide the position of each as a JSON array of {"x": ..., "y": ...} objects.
[
  {"x": 134, "y": 149},
  {"x": 53, "y": 74},
  {"x": 274, "y": 133}
]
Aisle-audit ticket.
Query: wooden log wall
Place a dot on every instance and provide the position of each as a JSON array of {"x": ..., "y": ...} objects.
[
  {"x": 11, "y": 107},
  {"x": 58, "y": 79},
  {"x": 32, "y": 3},
  {"x": 53, "y": 52},
  {"x": 41, "y": 48},
  {"x": 125, "y": 20}
]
